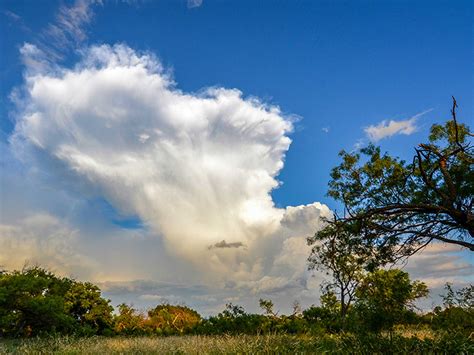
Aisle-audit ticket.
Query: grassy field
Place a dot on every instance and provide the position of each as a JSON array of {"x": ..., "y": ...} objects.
[
  {"x": 161, "y": 345},
  {"x": 237, "y": 344}
]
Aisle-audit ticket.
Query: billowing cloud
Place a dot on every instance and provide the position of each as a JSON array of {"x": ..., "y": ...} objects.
[
  {"x": 197, "y": 169},
  {"x": 390, "y": 128}
]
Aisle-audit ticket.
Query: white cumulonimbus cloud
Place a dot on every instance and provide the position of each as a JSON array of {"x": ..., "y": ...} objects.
[{"x": 198, "y": 169}]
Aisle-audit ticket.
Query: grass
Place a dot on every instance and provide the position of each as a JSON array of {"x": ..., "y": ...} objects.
[
  {"x": 195, "y": 344},
  {"x": 159, "y": 345}
]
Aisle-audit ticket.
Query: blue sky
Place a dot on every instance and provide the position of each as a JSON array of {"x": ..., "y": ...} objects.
[
  {"x": 342, "y": 65},
  {"x": 332, "y": 67}
]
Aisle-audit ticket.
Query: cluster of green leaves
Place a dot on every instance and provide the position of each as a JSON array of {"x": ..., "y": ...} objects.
[{"x": 35, "y": 301}]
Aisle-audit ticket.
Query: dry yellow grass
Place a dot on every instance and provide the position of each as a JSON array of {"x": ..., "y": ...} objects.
[{"x": 417, "y": 341}]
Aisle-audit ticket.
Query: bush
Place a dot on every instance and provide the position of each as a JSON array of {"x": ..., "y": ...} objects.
[
  {"x": 168, "y": 319},
  {"x": 452, "y": 319},
  {"x": 321, "y": 319},
  {"x": 34, "y": 301}
]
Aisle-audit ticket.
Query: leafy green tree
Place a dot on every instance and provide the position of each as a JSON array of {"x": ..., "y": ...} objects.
[
  {"x": 32, "y": 302},
  {"x": 385, "y": 296},
  {"x": 337, "y": 251},
  {"x": 398, "y": 207},
  {"x": 35, "y": 301}
]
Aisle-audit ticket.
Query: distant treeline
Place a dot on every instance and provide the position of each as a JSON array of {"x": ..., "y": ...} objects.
[{"x": 35, "y": 302}]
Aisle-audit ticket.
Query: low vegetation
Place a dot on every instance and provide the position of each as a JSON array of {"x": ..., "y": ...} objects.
[{"x": 43, "y": 313}]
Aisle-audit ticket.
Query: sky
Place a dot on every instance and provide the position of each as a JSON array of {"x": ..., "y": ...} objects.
[{"x": 180, "y": 150}]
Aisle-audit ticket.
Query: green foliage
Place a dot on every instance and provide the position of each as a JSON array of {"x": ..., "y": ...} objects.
[
  {"x": 267, "y": 306},
  {"x": 234, "y": 320},
  {"x": 458, "y": 312},
  {"x": 385, "y": 297},
  {"x": 396, "y": 207},
  {"x": 329, "y": 301},
  {"x": 462, "y": 298},
  {"x": 85, "y": 304},
  {"x": 336, "y": 251},
  {"x": 322, "y": 320},
  {"x": 35, "y": 301}
]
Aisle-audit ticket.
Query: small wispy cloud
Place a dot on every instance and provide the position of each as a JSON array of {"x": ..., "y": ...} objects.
[
  {"x": 69, "y": 27},
  {"x": 17, "y": 19},
  {"x": 390, "y": 128},
  {"x": 325, "y": 129},
  {"x": 65, "y": 34},
  {"x": 194, "y": 3},
  {"x": 12, "y": 15},
  {"x": 223, "y": 244}
]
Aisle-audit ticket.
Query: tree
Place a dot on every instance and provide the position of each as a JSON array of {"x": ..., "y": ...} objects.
[
  {"x": 31, "y": 303},
  {"x": 35, "y": 301},
  {"x": 399, "y": 207},
  {"x": 129, "y": 321},
  {"x": 337, "y": 251},
  {"x": 385, "y": 296},
  {"x": 171, "y": 319}
]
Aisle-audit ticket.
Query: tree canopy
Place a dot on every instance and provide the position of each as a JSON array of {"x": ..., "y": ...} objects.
[
  {"x": 398, "y": 207},
  {"x": 35, "y": 301}
]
